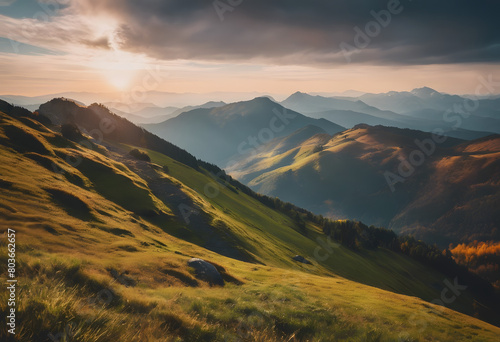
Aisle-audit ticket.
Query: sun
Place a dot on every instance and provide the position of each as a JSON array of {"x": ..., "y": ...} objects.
[
  {"x": 118, "y": 68},
  {"x": 120, "y": 79}
]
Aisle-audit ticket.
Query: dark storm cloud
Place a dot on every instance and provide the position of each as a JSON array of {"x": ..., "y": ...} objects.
[{"x": 309, "y": 32}]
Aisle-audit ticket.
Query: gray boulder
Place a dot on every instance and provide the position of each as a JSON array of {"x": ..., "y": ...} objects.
[
  {"x": 301, "y": 259},
  {"x": 206, "y": 271}
]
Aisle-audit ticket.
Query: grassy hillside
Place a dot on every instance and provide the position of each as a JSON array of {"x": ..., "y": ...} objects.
[{"x": 103, "y": 244}]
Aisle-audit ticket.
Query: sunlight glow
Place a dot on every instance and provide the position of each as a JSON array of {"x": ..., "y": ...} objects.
[{"x": 117, "y": 67}]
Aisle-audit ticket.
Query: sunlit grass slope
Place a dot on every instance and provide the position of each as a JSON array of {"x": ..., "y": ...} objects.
[{"x": 274, "y": 239}]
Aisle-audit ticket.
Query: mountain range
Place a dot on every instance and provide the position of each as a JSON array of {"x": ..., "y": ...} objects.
[
  {"x": 344, "y": 175},
  {"x": 442, "y": 192},
  {"x": 219, "y": 134},
  {"x": 151, "y": 114},
  {"x": 423, "y": 109}
]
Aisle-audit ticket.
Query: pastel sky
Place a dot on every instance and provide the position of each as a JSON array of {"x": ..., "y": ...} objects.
[{"x": 277, "y": 47}]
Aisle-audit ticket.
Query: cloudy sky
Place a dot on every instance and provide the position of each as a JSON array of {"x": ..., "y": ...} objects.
[{"x": 273, "y": 46}]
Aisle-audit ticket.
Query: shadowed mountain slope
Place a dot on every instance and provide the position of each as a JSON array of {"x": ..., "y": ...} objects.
[
  {"x": 422, "y": 109},
  {"x": 449, "y": 193}
]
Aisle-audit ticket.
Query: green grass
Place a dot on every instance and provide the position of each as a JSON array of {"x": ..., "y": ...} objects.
[
  {"x": 118, "y": 187},
  {"x": 274, "y": 239},
  {"x": 72, "y": 298}
]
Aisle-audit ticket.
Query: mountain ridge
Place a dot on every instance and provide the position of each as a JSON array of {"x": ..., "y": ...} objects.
[
  {"x": 219, "y": 134},
  {"x": 356, "y": 162}
]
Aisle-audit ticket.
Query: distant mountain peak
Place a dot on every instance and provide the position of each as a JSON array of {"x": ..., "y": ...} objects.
[
  {"x": 424, "y": 92},
  {"x": 258, "y": 101},
  {"x": 262, "y": 99},
  {"x": 361, "y": 126},
  {"x": 65, "y": 100},
  {"x": 298, "y": 95},
  {"x": 269, "y": 97},
  {"x": 214, "y": 103}
]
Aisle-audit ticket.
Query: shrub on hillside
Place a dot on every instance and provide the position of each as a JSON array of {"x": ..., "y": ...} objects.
[{"x": 140, "y": 155}]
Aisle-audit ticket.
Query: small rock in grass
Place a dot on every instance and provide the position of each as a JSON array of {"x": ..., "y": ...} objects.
[
  {"x": 206, "y": 271},
  {"x": 301, "y": 259}
]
